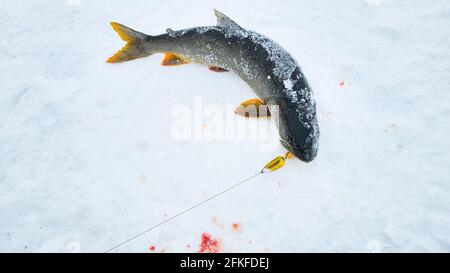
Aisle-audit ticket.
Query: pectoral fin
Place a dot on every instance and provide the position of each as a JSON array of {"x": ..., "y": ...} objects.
[
  {"x": 253, "y": 108},
  {"x": 172, "y": 59}
]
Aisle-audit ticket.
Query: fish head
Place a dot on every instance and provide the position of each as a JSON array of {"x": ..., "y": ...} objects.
[{"x": 298, "y": 137}]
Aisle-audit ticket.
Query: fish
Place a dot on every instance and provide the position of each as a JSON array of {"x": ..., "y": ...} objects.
[{"x": 270, "y": 71}]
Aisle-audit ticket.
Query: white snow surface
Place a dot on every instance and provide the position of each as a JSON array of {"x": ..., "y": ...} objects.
[{"x": 88, "y": 161}]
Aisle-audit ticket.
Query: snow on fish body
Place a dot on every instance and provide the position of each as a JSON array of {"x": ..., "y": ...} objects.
[{"x": 268, "y": 69}]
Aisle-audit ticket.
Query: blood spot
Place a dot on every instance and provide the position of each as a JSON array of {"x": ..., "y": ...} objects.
[
  {"x": 208, "y": 244},
  {"x": 342, "y": 83},
  {"x": 236, "y": 226},
  {"x": 152, "y": 248}
]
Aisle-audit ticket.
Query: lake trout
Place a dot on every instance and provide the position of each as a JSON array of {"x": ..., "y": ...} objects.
[{"x": 265, "y": 66}]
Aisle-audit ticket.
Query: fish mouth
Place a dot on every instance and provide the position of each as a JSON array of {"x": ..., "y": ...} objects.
[
  {"x": 302, "y": 154},
  {"x": 287, "y": 145}
]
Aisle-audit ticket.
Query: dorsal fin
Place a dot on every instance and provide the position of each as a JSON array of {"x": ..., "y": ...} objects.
[{"x": 224, "y": 21}]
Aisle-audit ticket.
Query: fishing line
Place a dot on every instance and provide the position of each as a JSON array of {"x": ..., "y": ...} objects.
[{"x": 185, "y": 211}]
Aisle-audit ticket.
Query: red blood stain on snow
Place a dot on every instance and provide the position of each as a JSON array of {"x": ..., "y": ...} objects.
[
  {"x": 208, "y": 244},
  {"x": 152, "y": 248},
  {"x": 236, "y": 226}
]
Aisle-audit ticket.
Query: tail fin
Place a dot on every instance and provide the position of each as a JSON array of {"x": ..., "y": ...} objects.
[{"x": 133, "y": 49}]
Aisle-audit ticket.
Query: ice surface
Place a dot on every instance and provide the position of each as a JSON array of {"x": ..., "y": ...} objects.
[{"x": 88, "y": 159}]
